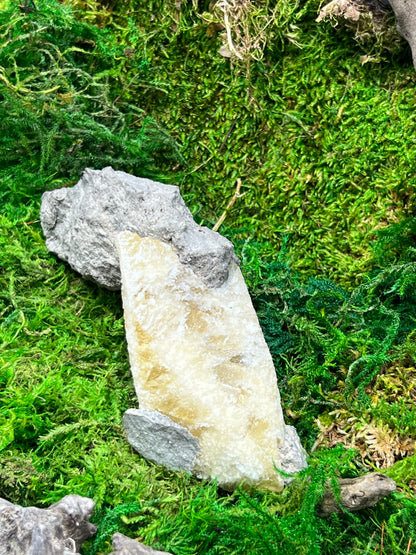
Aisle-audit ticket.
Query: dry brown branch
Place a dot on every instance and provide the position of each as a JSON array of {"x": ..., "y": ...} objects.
[
  {"x": 357, "y": 493},
  {"x": 229, "y": 205},
  {"x": 382, "y": 538}
]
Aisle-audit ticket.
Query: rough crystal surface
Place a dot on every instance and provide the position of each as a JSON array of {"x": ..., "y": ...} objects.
[
  {"x": 80, "y": 224},
  {"x": 198, "y": 356}
]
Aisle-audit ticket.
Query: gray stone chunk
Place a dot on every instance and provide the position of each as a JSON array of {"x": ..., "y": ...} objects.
[
  {"x": 405, "y": 11},
  {"x": 126, "y": 546},
  {"x": 58, "y": 530},
  {"x": 292, "y": 454},
  {"x": 159, "y": 439},
  {"x": 81, "y": 223}
]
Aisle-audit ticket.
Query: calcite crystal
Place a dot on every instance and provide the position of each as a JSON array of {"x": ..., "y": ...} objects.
[{"x": 198, "y": 356}]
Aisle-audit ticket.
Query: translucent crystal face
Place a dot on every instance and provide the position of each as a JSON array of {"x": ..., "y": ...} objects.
[{"x": 198, "y": 355}]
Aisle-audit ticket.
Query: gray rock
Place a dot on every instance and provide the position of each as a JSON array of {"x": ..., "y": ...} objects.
[
  {"x": 81, "y": 223},
  {"x": 126, "y": 546},
  {"x": 292, "y": 454},
  {"x": 58, "y": 530},
  {"x": 405, "y": 11},
  {"x": 159, "y": 439}
]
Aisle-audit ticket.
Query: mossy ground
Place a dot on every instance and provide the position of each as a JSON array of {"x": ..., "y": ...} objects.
[
  {"x": 325, "y": 150},
  {"x": 323, "y": 145}
]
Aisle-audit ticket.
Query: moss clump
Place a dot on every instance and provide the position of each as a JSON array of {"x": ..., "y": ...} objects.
[{"x": 67, "y": 97}]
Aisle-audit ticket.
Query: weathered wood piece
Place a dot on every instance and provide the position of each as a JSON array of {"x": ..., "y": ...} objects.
[{"x": 357, "y": 493}]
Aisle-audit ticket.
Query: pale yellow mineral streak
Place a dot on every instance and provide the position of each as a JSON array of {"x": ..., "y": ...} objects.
[{"x": 198, "y": 355}]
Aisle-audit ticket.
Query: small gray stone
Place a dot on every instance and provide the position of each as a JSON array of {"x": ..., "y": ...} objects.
[
  {"x": 126, "y": 546},
  {"x": 58, "y": 530},
  {"x": 159, "y": 439},
  {"x": 81, "y": 223},
  {"x": 292, "y": 454},
  {"x": 405, "y": 11}
]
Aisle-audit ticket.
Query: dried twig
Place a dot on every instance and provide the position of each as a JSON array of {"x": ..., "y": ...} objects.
[
  {"x": 225, "y": 7},
  {"x": 357, "y": 493},
  {"x": 382, "y": 539},
  {"x": 231, "y": 129},
  {"x": 229, "y": 205}
]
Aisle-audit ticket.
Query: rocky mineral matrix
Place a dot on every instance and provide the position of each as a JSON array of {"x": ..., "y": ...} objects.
[{"x": 198, "y": 356}]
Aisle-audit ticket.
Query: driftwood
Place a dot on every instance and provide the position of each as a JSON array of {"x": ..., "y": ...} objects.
[{"x": 357, "y": 493}]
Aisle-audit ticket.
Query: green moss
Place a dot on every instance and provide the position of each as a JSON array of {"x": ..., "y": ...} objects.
[
  {"x": 322, "y": 144},
  {"x": 324, "y": 149},
  {"x": 66, "y": 93}
]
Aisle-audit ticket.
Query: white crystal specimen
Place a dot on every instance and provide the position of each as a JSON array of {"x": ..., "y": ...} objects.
[{"x": 198, "y": 356}]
